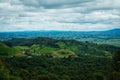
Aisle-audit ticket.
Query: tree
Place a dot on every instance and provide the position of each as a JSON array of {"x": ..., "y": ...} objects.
[{"x": 116, "y": 59}]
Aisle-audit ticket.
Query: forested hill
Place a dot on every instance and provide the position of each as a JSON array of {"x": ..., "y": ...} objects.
[
  {"x": 111, "y": 37},
  {"x": 50, "y": 59},
  {"x": 59, "y": 48}
]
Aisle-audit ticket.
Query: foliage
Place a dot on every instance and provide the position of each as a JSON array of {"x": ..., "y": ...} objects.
[
  {"x": 42, "y": 46},
  {"x": 50, "y": 59},
  {"x": 6, "y": 50},
  {"x": 48, "y": 68}
]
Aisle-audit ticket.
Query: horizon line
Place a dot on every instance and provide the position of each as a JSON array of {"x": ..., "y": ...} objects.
[{"x": 60, "y": 30}]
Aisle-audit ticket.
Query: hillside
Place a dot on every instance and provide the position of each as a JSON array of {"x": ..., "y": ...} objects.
[
  {"x": 59, "y": 48},
  {"x": 6, "y": 50},
  {"x": 50, "y": 59}
]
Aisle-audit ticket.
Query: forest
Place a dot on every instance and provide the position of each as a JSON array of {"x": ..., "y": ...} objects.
[{"x": 51, "y": 59}]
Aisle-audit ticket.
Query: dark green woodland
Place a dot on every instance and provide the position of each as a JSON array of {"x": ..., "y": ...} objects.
[{"x": 60, "y": 55}]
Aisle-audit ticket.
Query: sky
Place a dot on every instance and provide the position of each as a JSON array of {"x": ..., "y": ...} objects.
[{"x": 75, "y": 15}]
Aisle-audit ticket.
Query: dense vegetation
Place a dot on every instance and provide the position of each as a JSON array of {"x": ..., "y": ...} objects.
[
  {"x": 49, "y": 59},
  {"x": 6, "y": 50},
  {"x": 47, "y": 68},
  {"x": 59, "y": 48}
]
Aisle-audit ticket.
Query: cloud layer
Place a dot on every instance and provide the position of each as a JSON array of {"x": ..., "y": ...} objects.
[{"x": 18, "y": 15}]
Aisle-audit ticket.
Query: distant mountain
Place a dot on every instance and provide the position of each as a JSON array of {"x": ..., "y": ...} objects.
[
  {"x": 115, "y": 30},
  {"x": 60, "y": 34},
  {"x": 111, "y": 37}
]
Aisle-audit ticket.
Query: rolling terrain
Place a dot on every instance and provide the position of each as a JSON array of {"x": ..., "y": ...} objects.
[
  {"x": 111, "y": 37},
  {"x": 57, "y": 48},
  {"x": 45, "y": 58}
]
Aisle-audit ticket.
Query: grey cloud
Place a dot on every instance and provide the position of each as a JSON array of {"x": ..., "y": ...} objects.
[
  {"x": 59, "y": 14},
  {"x": 53, "y": 3}
]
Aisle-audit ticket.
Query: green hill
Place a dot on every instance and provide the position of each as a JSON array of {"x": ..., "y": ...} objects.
[
  {"x": 56, "y": 48},
  {"x": 50, "y": 59},
  {"x": 6, "y": 50}
]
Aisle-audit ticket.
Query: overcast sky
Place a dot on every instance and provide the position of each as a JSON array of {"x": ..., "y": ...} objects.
[{"x": 21, "y": 15}]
